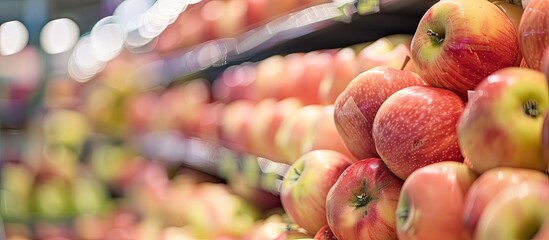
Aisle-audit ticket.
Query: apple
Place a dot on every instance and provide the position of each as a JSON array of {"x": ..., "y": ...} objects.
[
  {"x": 489, "y": 185},
  {"x": 545, "y": 138},
  {"x": 293, "y": 76},
  {"x": 325, "y": 233},
  {"x": 415, "y": 127},
  {"x": 345, "y": 68},
  {"x": 233, "y": 18},
  {"x": 452, "y": 48},
  {"x": 518, "y": 212},
  {"x": 275, "y": 230},
  {"x": 514, "y": 13},
  {"x": 363, "y": 201},
  {"x": 325, "y": 135},
  {"x": 434, "y": 212},
  {"x": 268, "y": 74},
  {"x": 317, "y": 65},
  {"x": 267, "y": 117},
  {"x": 306, "y": 185},
  {"x": 356, "y": 107},
  {"x": 395, "y": 58},
  {"x": 502, "y": 122},
  {"x": 533, "y": 36},
  {"x": 235, "y": 83},
  {"x": 234, "y": 121},
  {"x": 545, "y": 63},
  {"x": 293, "y": 131}
]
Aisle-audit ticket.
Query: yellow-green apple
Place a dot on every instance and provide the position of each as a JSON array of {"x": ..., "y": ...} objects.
[
  {"x": 325, "y": 233},
  {"x": 415, "y": 127},
  {"x": 518, "y": 212},
  {"x": 356, "y": 107},
  {"x": 293, "y": 129},
  {"x": 267, "y": 117},
  {"x": 533, "y": 36},
  {"x": 363, "y": 201},
  {"x": 434, "y": 212},
  {"x": 234, "y": 121},
  {"x": 344, "y": 69},
  {"x": 373, "y": 51},
  {"x": 502, "y": 122},
  {"x": 325, "y": 135},
  {"x": 489, "y": 185},
  {"x": 395, "y": 58},
  {"x": 232, "y": 20},
  {"x": 454, "y": 49},
  {"x": 306, "y": 185}
]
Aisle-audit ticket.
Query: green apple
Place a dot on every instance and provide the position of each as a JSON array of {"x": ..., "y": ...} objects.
[{"x": 501, "y": 125}]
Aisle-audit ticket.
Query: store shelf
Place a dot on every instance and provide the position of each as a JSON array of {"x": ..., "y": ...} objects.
[{"x": 323, "y": 26}]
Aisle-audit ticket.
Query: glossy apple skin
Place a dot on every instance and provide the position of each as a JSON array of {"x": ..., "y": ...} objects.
[
  {"x": 415, "y": 127},
  {"x": 434, "y": 211},
  {"x": 488, "y": 185},
  {"x": 533, "y": 34},
  {"x": 325, "y": 233},
  {"x": 306, "y": 185},
  {"x": 470, "y": 50},
  {"x": 356, "y": 108},
  {"x": 519, "y": 212},
  {"x": 373, "y": 218},
  {"x": 494, "y": 129}
]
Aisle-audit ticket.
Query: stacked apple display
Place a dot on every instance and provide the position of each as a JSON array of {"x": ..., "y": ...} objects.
[{"x": 375, "y": 142}]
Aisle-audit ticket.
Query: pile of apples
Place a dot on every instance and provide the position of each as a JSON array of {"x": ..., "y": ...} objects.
[{"x": 445, "y": 145}]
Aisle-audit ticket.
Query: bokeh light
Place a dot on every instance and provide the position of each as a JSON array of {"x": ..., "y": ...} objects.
[
  {"x": 59, "y": 35},
  {"x": 14, "y": 36}
]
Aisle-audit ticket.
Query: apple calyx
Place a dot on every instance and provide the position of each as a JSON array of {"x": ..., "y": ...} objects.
[
  {"x": 362, "y": 199},
  {"x": 531, "y": 108},
  {"x": 298, "y": 170},
  {"x": 405, "y": 214},
  {"x": 435, "y": 36}
]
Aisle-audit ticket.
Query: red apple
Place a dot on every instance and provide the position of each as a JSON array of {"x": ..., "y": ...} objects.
[
  {"x": 415, "y": 127},
  {"x": 502, "y": 122},
  {"x": 395, "y": 58},
  {"x": 518, "y": 212},
  {"x": 533, "y": 36},
  {"x": 317, "y": 64},
  {"x": 489, "y": 185},
  {"x": 234, "y": 122},
  {"x": 356, "y": 107},
  {"x": 363, "y": 201},
  {"x": 292, "y": 81},
  {"x": 235, "y": 83},
  {"x": 294, "y": 129},
  {"x": 452, "y": 48},
  {"x": 267, "y": 117},
  {"x": 325, "y": 233},
  {"x": 306, "y": 185},
  {"x": 268, "y": 75},
  {"x": 345, "y": 68},
  {"x": 434, "y": 211}
]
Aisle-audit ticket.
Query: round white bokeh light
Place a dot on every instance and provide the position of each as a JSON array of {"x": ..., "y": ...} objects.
[
  {"x": 14, "y": 36},
  {"x": 59, "y": 35}
]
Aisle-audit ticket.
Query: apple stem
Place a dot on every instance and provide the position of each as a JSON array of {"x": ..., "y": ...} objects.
[
  {"x": 435, "y": 36},
  {"x": 531, "y": 108},
  {"x": 406, "y": 61}
]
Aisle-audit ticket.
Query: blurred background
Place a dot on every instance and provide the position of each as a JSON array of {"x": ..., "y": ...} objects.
[{"x": 100, "y": 105}]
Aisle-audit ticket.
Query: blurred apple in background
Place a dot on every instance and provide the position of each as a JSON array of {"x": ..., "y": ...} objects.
[
  {"x": 235, "y": 83},
  {"x": 325, "y": 135},
  {"x": 533, "y": 36},
  {"x": 434, "y": 211},
  {"x": 363, "y": 201},
  {"x": 502, "y": 122},
  {"x": 272, "y": 230},
  {"x": 232, "y": 20},
  {"x": 519, "y": 212},
  {"x": 317, "y": 65},
  {"x": 306, "y": 185},
  {"x": 234, "y": 123},
  {"x": 267, "y": 117},
  {"x": 16, "y": 188},
  {"x": 293, "y": 129},
  {"x": 142, "y": 111},
  {"x": 453, "y": 49},
  {"x": 485, "y": 189},
  {"x": 52, "y": 199},
  {"x": 269, "y": 73},
  {"x": 358, "y": 104},
  {"x": 344, "y": 69},
  {"x": 293, "y": 77},
  {"x": 415, "y": 127}
]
